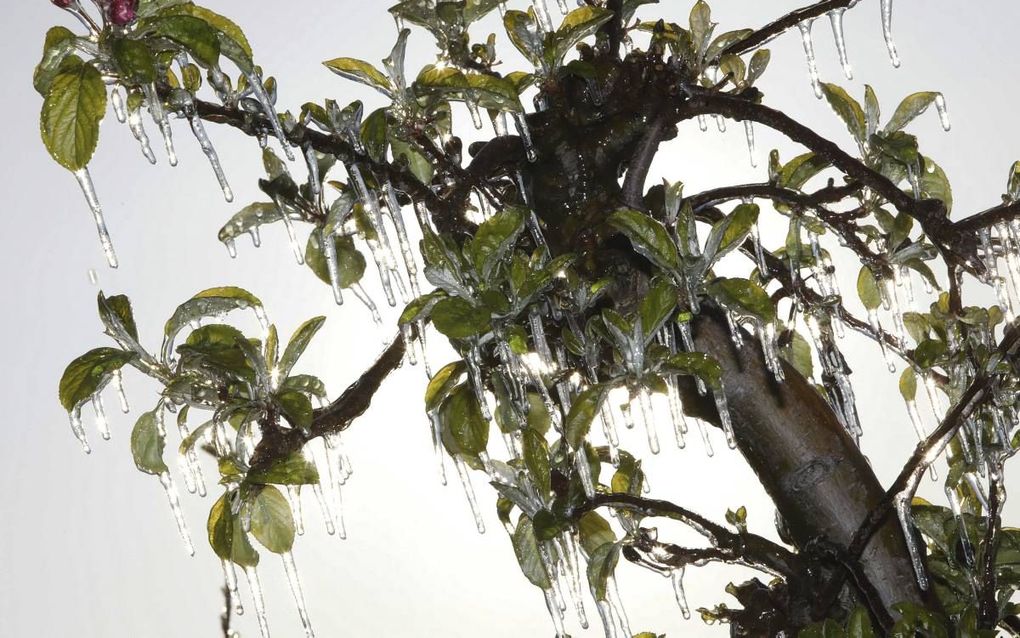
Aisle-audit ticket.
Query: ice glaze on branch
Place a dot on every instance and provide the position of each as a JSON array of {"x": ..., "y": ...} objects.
[{"x": 787, "y": 22}]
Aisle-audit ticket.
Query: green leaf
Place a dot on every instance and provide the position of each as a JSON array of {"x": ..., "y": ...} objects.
[
  {"x": 297, "y": 344},
  {"x": 417, "y": 163},
  {"x": 296, "y": 408},
  {"x": 272, "y": 522},
  {"x": 872, "y": 110},
  {"x": 582, "y": 413},
  {"x": 248, "y": 219},
  {"x": 800, "y": 169},
  {"x": 464, "y": 430},
  {"x": 135, "y": 60},
  {"x": 601, "y": 566},
  {"x": 442, "y": 384},
  {"x": 867, "y": 289},
  {"x": 798, "y": 354},
  {"x": 233, "y": 42},
  {"x": 648, "y": 236},
  {"x": 701, "y": 26},
  {"x": 848, "y": 109},
  {"x": 147, "y": 445},
  {"x": 116, "y": 314},
  {"x": 360, "y": 71},
  {"x": 421, "y": 308},
  {"x": 374, "y": 135},
  {"x": 911, "y": 107},
  {"x": 745, "y": 297},
  {"x": 698, "y": 364},
  {"x": 729, "y": 233},
  {"x": 935, "y": 183},
  {"x": 71, "y": 113},
  {"x": 351, "y": 263},
  {"x": 594, "y": 532},
  {"x": 459, "y": 319},
  {"x": 928, "y": 352},
  {"x": 226, "y": 535},
  {"x": 859, "y": 624},
  {"x": 656, "y": 307},
  {"x": 908, "y": 384},
  {"x": 293, "y": 469},
  {"x": 194, "y": 34},
  {"x": 522, "y": 28},
  {"x": 58, "y": 46},
  {"x": 759, "y": 62},
  {"x": 536, "y": 459},
  {"x": 87, "y": 375},
  {"x": 494, "y": 239},
  {"x": 577, "y": 25},
  {"x": 528, "y": 555}
]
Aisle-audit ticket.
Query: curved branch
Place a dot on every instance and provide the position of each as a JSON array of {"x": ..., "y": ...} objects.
[{"x": 787, "y": 22}]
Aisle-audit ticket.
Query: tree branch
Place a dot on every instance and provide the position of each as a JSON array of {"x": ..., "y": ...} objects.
[
  {"x": 780, "y": 26},
  {"x": 988, "y": 603}
]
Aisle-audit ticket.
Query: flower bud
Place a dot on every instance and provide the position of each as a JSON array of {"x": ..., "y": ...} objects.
[{"x": 122, "y": 12}]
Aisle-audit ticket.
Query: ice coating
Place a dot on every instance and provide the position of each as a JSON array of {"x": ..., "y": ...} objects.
[
  {"x": 159, "y": 115},
  {"x": 894, "y": 56},
  {"x": 751, "y": 150},
  {"x": 137, "y": 127},
  {"x": 677, "y": 577},
  {"x": 406, "y": 250},
  {"x": 198, "y": 129},
  {"x": 809, "y": 55},
  {"x": 102, "y": 423},
  {"x": 79, "y": 430},
  {"x": 259, "y": 91}
]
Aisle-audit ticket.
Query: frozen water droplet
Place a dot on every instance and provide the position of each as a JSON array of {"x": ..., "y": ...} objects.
[
  {"x": 230, "y": 580},
  {"x": 137, "y": 128},
  {"x": 809, "y": 55},
  {"x": 648, "y": 416},
  {"x": 720, "y": 123},
  {"x": 940, "y": 106},
  {"x": 894, "y": 56},
  {"x": 554, "y": 612},
  {"x": 93, "y": 277},
  {"x": 751, "y": 150},
  {"x": 118, "y": 385},
  {"x": 175, "y": 507},
  {"x": 117, "y": 100},
  {"x": 703, "y": 123},
  {"x": 89, "y": 190},
  {"x": 79, "y": 430},
  {"x": 231, "y": 246},
  {"x": 364, "y": 298}
]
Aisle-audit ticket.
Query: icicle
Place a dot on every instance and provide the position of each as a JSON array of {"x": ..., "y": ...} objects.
[
  {"x": 550, "y": 564},
  {"x": 338, "y": 512},
  {"x": 606, "y": 614},
  {"x": 499, "y": 123},
  {"x": 89, "y": 189},
  {"x": 720, "y": 123},
  {"x": 79, "y": 430},
  {"x": 175, "y": 507},
  {"x": 751, "y": 150},
  {"x": 687, "y": 339},
  {"x": 333, "y": 267},
  {"x": 965, "y": 542},
  {"x": 570, "y": 565},
  {"x": 768, "y": 337},
  {"x": 230, "y": 580},
  {"x": 255, "y": 82},
  {"x": 231, "y": 246},
  {"x": 677, "y": 576},
  {"x": 327, "y": 516},
  {"x": 210, "y": 152},
  {"x": 295, "y": 589},
  {"x": 564, "y": 8},
  {"x": 703, "y": 123},
  {"x": 759, "y": 251},
  {"x": 474, "y": 366},
  {"x": 724, "y": 417},
  {"x": 584, "y": 471},
  {"x": 162, "y": 120},
  {"x": 545, "y": 22},
  {"x": 554, "y": 611},
  {"x": 364, "y": 298},
  {"x": 102, "y": 424},
  {"x": 876, "y": 327},
  {"x": 93, "y": 277},
  {"x": 138, "y": 130},
  {"x": 940, "y": 106},
  {"x": 919, "y": 429},
  {"x": 894, "y": 56},
  {"x": 992, "y": 264},
  {"x": 676, "y": 412},
  {"x": 522, "y": 129},
  {"x": 809, "y": 54},
  {"x": 913, "y": 547},
  {"x": 292, "y": 237},
  {"x": 613, "y": 594},
  {"x": 406, "y": 250},
  {"x": 469, "y": 491},
  {"x": 255, "y": 586},
  {"x": 293, "y": 493},
  {"x": 437, "y": 444},
  {"x": 836, "y": 18},
  {"x": 119, "y": 110},
  {"x": 476, "y": 114},
  {"x": 380, "y": 245},
  {"x": 648, "y": 416},
  {"x": 410, "y": 344},
  {"x": 1010, "y": 250},
  {"x": 256, "y": 236}
]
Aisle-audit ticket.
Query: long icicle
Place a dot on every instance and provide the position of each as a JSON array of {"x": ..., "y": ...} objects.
[
  {"x": 198, "y": 129},
  {"x": 258, "y": 601},
  {"x": 809, "y": 55},
  {"x": 89, "y": 190},
  {"x": 295, "y": 589},
  {"x": 79, "y": 430},
  {"x": 894, "y": 55},
  {"x": 469, "y": 491},
  {"x": 255, "y": 82},
  {"x": 159, "y": 115},
  {"x": 677, "y": 576},
  {"x": 838, "y": 34},
  {"x": 175, "y": 507}
]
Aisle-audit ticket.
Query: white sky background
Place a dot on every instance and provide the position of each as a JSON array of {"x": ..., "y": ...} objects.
[{"x": 87, "y": 544}]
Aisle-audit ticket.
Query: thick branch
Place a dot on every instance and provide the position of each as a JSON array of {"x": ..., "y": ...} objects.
[{"x": 988, "y": 603}]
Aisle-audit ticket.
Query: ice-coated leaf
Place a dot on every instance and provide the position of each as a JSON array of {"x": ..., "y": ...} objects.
[
  {"x": 226, "y": 535},
  {"x": 87, "y": 374},
  {"x": 935, "y": 184},
  {"x": 59, "y": 44},
  {"x": 296, "y": 408},
  {"x": 524, "y": 33},
  {"x": 297, "y": 344},
  {"x": 459, "y": 319},
  {"x": 475, "y": 10},
  {"x": 701, "y": 25},
  {"x": 698, "y": 364},
  {"x": 272, "y": 522},
  {"x": 859, "y": 624},
  {"x": 656, "y": 307},
  {"x": 528, "y": 554},
  {"x": 911, "y": 107},
  {"x": 868, "y": 290},
  {"x": 798, "y": 354},
  {"x": 213, "y": 302},
  {"x": 116, "y": 314},
  {"x": 374, "y": 135},
  {"x": 361, "y": 71},
  {"x": 249, "y": 218},
  {"x": 312, "y": 386},
  {"x": 494, "y": 238},
  {"x": 536, "y": 459},
  {"x": 729, "y": 233},
  {"x": 800, "y": 169},
  {"x": 293, "y": 469},
  {"x": 464, "y": 430},
  {"x": 594, "y": 532},
  {"x": 759, "y": 62},
  {"x": 233, "y": 43},
  {"x": 601, "y": 566},
  {"x": 351, "y": 263},
  {"x": 442, "y": 383},
  {"x": 421, "y": 308},
  {"x": 147, "y": 445},
  {"x": 74, "y": 106},
  {"x": 582, "y": 413},
  {"x": 745, "y": 297},
  {"x": 848, "y": 109},
  {"x": 648, "y": 236},
  {"x": 576, "y": 26},
  {"x": 908, "y": 384},
  {"x": 135, "y": 60},
  {"x": 194, "y": 34}
]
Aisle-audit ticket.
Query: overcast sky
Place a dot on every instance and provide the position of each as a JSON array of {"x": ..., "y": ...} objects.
[{"x": 87, "y": 544}]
